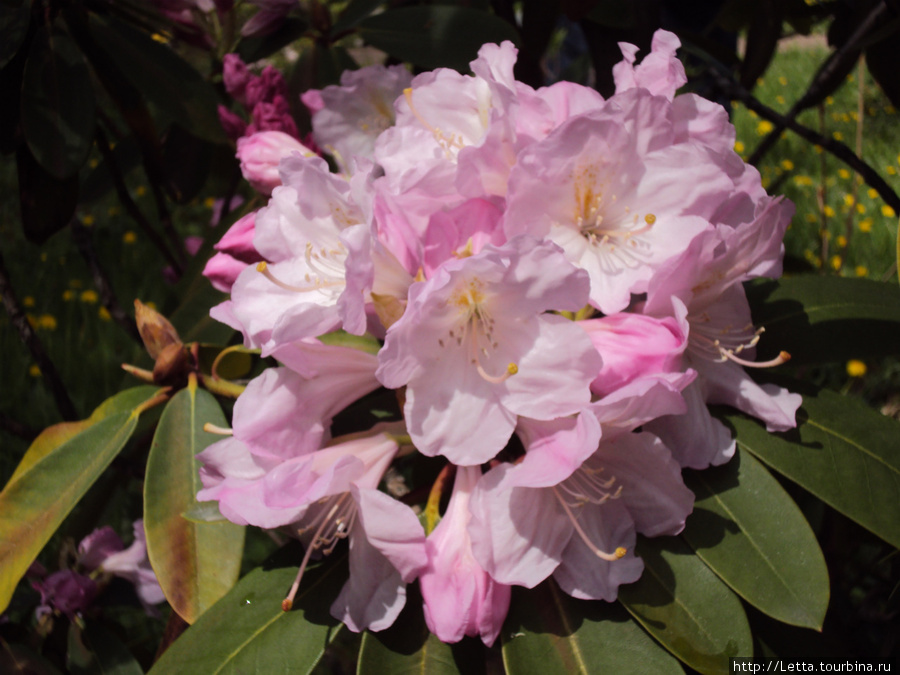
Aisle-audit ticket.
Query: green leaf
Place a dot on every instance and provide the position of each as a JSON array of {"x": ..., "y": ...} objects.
[
  {"x": 14, "y": 19},
  {"x": 47, "y": 203},
  {"x": 819, "y": 319},
  {"x": 252, "y": 49},
  {"x": 246, "y": 631},
  {"x": 681, "y": 603},
  {"x": 196, "y": 563},
  {"x": 749, "y": 531},
  {"x": 842, "y": 451},
  {"x": 409, "y": 647},
  {"x": 191, "y": 319},
  {"x": 54, "y": 436},
  {"x": 34, "y": 505},
  {"x": 57, "y": 104},
  {"x": 435, "y": 36},
  {"x": 96, "y": 650},
  {"x": 547, "y": 632},
  {"x": 164, "y": 78},
  {"x": 364, "y": 343},
  {"x": 354, "y": 12}
]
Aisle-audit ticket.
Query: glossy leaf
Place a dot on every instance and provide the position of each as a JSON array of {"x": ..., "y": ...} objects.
[
  {"x": 97, "y": 650},
  {"x": 34, "y": 505},
  {"x": 749, "y": 531},
  {"x": 196, "y": 563},
  {"x": 246, "y": 631},
  {"x": 57, "y": 104},
  {"x": 15, "y": 16},
  {"x": 354, "y": 12},
  {"x": 842, "y": 451},
  {"x": 43, "y": 216},
  {"x": 252, "y": 49},
  {"x": 409, "y": 647},
  {"x": 163, "y": 77},
  {"x": 436, "y": 35},
  {"x": 821, "y": 319},
  {"x": 547, "y": 632},
  {"x": 54, "y": 436},
  {"x": 681, "y": 603}
]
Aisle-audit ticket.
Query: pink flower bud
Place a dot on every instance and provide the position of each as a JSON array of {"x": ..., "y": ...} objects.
[
  {"x": 235, "y": 253},
  {"x": 633, "y": 345},
  {"x": 260, "y": 154},
  {"x": 274, "y": 116},
  {"x": 236, "y": 77},
  {"x": 460, "y": 598},
  {"x": 233, "y": 125}
]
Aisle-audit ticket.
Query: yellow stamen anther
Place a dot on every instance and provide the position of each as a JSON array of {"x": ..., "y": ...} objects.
[
  {"x": 649, "y": 219},
  {"x": 512, "y": 369},
  {"x": 621, "y": 551}
]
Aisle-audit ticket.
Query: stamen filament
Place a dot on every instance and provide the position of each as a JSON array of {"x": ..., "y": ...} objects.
[
  {"x": 603, "y": 555},
  {"x": 221, "y": 431},
  {"x": 315, "y": 543}
]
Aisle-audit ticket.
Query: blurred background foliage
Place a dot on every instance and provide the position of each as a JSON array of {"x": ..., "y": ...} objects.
[{"x": 117, "y": 179}]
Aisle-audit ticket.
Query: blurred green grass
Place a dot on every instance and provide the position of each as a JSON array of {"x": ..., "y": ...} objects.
[{"x": 841, "y": 225}]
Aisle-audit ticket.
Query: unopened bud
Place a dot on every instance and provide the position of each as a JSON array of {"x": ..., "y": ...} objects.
[
  {"x": 172, "y": 365},
  {"x": 155, "y": 329}
]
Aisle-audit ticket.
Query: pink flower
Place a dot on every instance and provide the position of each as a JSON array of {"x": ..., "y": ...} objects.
[
  {"x": 133, "y": 565},
  {"x": 571, "y": 507},
  {"x": 660, "y": 72},
  {"x": 260, "y": 155},
  {"x": 702, "y": 289},
  {"x": 236, "y": 252},
  {"x": 328, "y": 495},
  {"x": 476, "y": 349},
  {"x": 348, "y": 118},
  {"x": 460, "y": 598}
]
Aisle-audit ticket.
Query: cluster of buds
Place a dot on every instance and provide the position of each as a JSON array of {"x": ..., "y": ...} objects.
[{"x": 553, "y": 286}]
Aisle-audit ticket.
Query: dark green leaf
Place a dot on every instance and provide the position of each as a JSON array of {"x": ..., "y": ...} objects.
[
  {"x": 34, "y": 505},
  {"x": 681, "y": 603},
  {"x": 187, "y": 160},
  {"x": 614, "y": 14},
  {"x": 47, "y": 203},
  {"x": 164, "y": 78},
  {"x": 14, "y": 19},
  {"x": 409, "y": 647},
  {"x": 819, "y": 319},
  {"x": 196, "y": 562},
  {"x": 749, "y": 531},
  {"x": 435, "y": 36},
  {"x": 20, "y": 660},
  {"x": 882, "y": 64},
  {"x": 192, "y": 319},
  {"x": 246, "y": 631},
  {"x": 842, "y": 451},
  {"x": 547, "y": 632},
  {"x": 97, "y": 650},
  {"x": 57, "y": 104},
  {"x": 354, "y": 12},
  {"x": 252, "y": 49}
]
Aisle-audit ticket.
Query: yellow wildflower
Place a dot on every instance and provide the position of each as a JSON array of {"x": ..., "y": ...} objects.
[
  {"x": 865, "y": 225},
  {"x": 862, "y": 271},
  {"x": 887, "y": 211},
  {"x": 856, "y": 368},
  {"x": 89, "y": 296},
  {"x": 34, "y": 371},
  {"x": 129, "y": 237},
  {"x": 787, "y": 165}
]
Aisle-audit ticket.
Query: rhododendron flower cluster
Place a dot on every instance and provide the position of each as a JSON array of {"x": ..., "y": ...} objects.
[{"x": 553, "y": 285}]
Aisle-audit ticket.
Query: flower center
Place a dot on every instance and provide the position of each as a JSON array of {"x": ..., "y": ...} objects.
[
  {"x": 617, "y": 239},
  {"x": 476, "y": 330}
]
